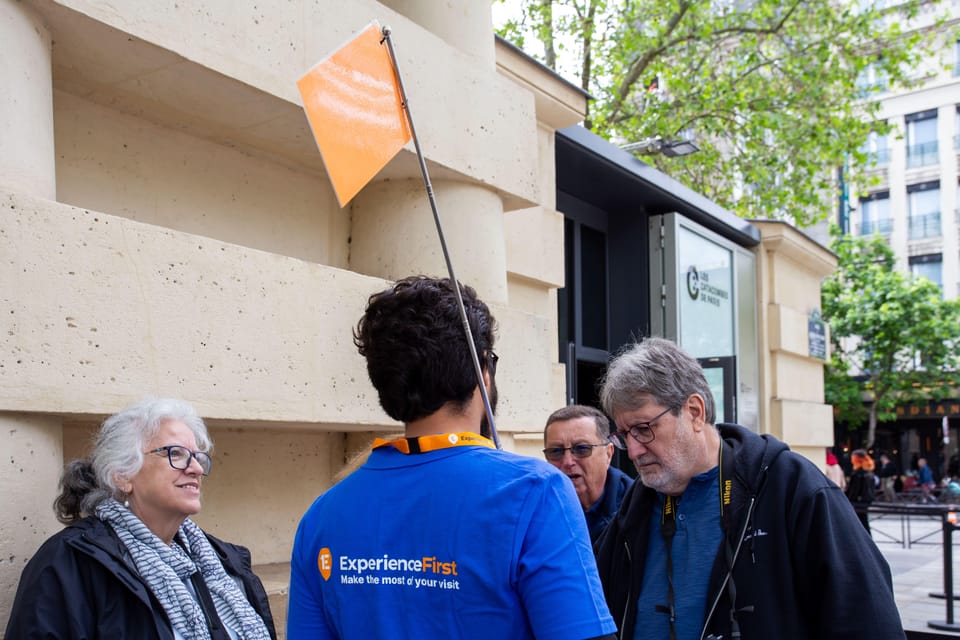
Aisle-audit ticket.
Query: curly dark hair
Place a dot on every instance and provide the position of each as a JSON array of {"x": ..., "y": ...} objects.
[{"x": 417, "y": 355}]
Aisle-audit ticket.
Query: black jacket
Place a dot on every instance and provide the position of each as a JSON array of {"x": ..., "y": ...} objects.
[
  {"x": 614, "y": 489},
  {"x": 861, "y": 488},
  {"x": 806, "y": 569},
  {"x": 82, "y": 585}
]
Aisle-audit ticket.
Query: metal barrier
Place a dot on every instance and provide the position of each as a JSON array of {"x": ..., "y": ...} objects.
[
  {"x": 906, "y": 511},
  {"x": 947, "y": 513},
  {"x": 949, "y": 526}
]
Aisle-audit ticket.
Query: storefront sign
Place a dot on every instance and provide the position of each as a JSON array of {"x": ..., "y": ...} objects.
[{"x": 944, "y": 408}]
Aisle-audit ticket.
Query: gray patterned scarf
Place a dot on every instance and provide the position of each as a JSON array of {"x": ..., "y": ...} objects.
[{"x": 164, "y": 568}]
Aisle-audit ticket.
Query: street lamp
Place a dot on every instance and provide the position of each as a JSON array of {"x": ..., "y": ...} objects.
[{"x": 669, "y": 148}]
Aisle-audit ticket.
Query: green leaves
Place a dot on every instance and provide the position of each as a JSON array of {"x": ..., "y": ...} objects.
[
  {"x": 768, "y": 89},
  {"x": 894, "y": 339}
]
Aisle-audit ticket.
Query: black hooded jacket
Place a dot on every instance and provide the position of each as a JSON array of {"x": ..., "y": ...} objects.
[
  {"x": 806, "y": 567},
  {"x": 614, "y": 489},
  {"x": 82, "y": 585}
]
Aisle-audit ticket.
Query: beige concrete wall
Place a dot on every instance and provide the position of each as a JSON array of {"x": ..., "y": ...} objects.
[
  {"x": 122, "y": 164},
  {"x": 101, "y": 309},
  {"x": 228, "y": 70},
  {"x": 29, "y": 471},
  {"x": 169, "y": 229},
  {"x": 790, "y": 268},
  {"x": 26, "y": 106}
]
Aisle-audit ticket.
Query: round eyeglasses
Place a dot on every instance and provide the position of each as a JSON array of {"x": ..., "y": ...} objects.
[
  {"x": 555, "y": 454},
  {"x": 642, "y": 432},
  {"x": 180, "y": 457}
]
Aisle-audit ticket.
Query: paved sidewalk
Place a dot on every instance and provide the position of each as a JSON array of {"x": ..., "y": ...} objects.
[{"x": 914, "y": 549}]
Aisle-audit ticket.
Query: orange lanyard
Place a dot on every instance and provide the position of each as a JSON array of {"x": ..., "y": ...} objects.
[{"x": 435, "y": 442}]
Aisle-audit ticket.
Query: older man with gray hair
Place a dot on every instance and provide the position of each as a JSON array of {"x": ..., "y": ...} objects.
[
  {"x": 727, "y": 533},
  {"x": 576, "y": 440}
]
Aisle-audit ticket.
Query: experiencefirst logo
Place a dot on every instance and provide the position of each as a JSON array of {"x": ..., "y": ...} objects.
[{"x": 414, "y": 572}]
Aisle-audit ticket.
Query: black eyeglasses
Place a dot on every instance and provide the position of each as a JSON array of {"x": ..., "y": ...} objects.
[
  {"x": 179, "y": 457},
  {"x": 493, "y": 358},
  {"x": 555, "y": 454},
  {"x": 642, "y": 432}
]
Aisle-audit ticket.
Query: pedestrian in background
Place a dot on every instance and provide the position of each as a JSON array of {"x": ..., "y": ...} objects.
[
  {"x": 834, "y": 472},
  {"x": 888, "y": 473},
  {"x": 862, "y": 486},
  {"x": 925, "y": 480}
]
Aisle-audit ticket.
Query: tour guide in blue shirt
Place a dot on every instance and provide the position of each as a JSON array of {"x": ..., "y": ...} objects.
[
  {"x": 439, "y": 534},
  {"x": 727, "y": 534}
]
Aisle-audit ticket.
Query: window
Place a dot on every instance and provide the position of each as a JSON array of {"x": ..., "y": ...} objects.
[
  {"x": 922, "y": 139},
  {"x": 583, "y": 301},
  {"x": 593, "y": 294},
  {"x": 924, "y": 206},
  {"x": 929, "y": 267},
  {"x": 956, "y": 137},
  {"x": 876, "y": 150},
  {"x": 872, "y": 80},
  {"x": 875, "y": 214}
]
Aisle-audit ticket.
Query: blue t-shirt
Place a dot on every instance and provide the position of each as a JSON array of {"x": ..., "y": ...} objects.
[
  {"x": 465, "y": 542},
  {"x": 698, "y": 536}
]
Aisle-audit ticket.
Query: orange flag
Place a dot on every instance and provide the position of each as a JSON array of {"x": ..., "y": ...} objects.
[{"x": 353, "y": 104}]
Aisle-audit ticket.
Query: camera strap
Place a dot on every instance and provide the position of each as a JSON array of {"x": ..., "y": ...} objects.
[{"x": 668, "y": 528}]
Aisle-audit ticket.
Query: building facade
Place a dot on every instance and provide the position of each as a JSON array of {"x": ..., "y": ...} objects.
[{"x": 910, "y": 197}]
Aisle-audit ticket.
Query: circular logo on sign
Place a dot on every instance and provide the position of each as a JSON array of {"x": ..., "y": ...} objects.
[
  {"x": 452, "y": 438},
  {"x": 693, "y": 282}
]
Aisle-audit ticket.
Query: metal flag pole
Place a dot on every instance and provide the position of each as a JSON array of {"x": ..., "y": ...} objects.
[{"x": 385, "y": 31}]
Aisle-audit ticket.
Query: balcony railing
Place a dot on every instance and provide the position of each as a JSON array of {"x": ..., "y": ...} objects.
[
  {"x": 922, "y": 155},
  {"x": 925, "y": 226},
  {"x": 869, "y": 227}
]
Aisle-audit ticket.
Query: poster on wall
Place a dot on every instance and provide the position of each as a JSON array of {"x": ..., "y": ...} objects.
[{"x": 706, "y": 296}]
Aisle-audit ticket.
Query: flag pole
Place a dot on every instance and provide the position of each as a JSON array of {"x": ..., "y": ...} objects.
[{"x": 385, "y": 31}]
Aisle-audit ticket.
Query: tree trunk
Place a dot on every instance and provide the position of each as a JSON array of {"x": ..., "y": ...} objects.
[{"x": 871, "y": 427}]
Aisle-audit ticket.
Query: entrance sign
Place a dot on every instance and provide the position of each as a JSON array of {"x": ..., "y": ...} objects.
[{"x": 706, "y": 296}]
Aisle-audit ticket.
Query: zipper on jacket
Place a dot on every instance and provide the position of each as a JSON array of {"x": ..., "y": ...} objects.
[
  {"x": 736, "y": 553},
  {"x": 733, "y": 563}
]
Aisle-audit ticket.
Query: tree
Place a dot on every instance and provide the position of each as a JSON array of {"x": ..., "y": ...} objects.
[
  {"x": 769, "y": 88},
  {"x": 894, "y": 339}
]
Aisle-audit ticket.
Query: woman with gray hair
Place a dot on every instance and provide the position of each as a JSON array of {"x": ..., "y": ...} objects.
[{"x": 131, "y": 563}]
